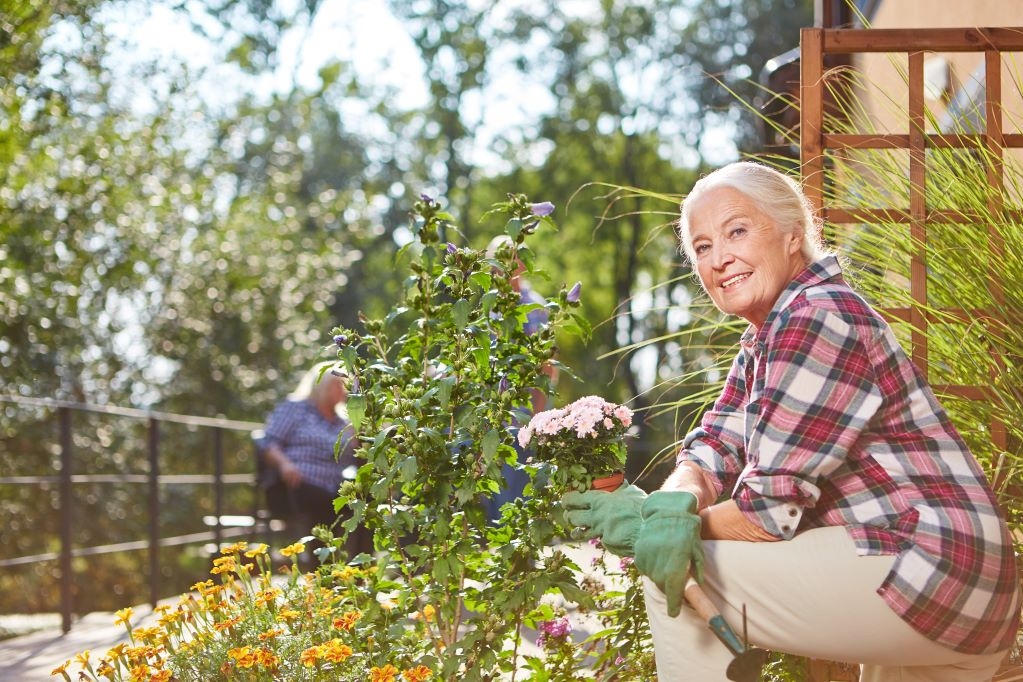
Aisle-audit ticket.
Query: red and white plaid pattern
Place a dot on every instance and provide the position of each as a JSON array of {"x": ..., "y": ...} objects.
[{"x": 824, "y": 421}]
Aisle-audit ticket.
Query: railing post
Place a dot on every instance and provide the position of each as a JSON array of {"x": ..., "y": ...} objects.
[
  {"x": 66, "y": 579},
  {"x": 218, "y": 482},
  {"x": 154, "y": 510}
]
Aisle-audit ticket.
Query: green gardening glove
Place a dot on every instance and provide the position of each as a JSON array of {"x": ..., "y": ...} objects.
[
  {"x": 668, "y": 545},
  {"x": 612, "y": 517}
]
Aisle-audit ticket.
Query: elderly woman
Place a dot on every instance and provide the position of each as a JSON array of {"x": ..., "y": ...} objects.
[
  {"x": 834, "y": 498},
  {"x": 301, "y": 435}
]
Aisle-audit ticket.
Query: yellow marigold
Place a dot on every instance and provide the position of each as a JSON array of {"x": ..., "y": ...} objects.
[
  {"x": 201, "y": 587},
  {"x": 243, "y": 656},
  {"x": 418, "y": 674},
  {"x": 227, "y": 624},
  {"x": 61, "y": 669},
  {"x": 429, "y": 613},
  {"x": 123, "y": 617},
  {"x": 270, "y": 634},
  {"x": 346, "y": 574},
  {"x": 162, "y": 676},
  {"x": 236, "y": 548},
  {"x": 288, "y": 615},
  {"x": 140, "y": 673},
  {"x": 310, "y": 656},
  {"x": 223, "y": 564},
  {"x": 346, "y": 621},
  {"x": 386, "y": 674},
  {"x": 105, "y": 669},
  {"x": 335, "y": 651},
  {"x": 267, "y": 597},
  {"x": 82, "y": 658},
  {"x": 117, "y": 651},
  {"x": 256, "y": 551},
  {"x": 149, "y": 635},
  {"x": 293, "y": 549}
]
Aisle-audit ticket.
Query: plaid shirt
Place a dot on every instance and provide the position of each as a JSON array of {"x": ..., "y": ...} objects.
[
  {"x": 824, "y": 421},
  {"x": 308, "y": 439}
]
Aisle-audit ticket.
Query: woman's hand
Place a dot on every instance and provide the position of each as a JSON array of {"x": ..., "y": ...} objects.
[
  {"x": 289, "y": 473},
  {"x": 724, "y": 521}
]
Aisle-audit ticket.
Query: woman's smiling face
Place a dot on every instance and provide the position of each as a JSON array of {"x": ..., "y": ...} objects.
[{"x": 743, "y": 258}]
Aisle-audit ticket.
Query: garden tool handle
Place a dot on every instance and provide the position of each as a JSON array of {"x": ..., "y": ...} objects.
[{"x": 698, "y": 599}]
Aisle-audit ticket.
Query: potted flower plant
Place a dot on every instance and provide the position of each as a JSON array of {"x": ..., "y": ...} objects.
[{"x": 584, "y": 442}]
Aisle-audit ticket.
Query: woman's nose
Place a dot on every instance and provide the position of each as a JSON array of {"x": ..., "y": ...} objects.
[{"x": 720, "y": 256}]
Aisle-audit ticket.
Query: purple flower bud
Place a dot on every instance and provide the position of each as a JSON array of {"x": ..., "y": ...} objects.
[
  {"x": 573, "y": 293},
  {"x": 355, "y": 385},
  {"x": 340, "y": 340},
  {"x": 451, "y": 248},
  {"x": 426, "y": 197},
  {"x": 543, "y": 208},
  {"x": 502, "y": 385}
]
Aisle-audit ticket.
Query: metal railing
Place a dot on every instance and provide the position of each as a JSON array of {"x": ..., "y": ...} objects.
[{"x": 65, "y": 479}]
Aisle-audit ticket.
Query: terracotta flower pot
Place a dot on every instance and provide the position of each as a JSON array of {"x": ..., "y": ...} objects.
[{"x": 609, "y": 483}]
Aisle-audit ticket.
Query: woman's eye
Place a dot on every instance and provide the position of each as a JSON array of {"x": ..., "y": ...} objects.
[
  {"x": 700, "y": 248},
  {"x": 737, "y": 231}
]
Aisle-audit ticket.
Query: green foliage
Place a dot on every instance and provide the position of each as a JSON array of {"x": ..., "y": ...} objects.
[{"x": 435, "y": 387}]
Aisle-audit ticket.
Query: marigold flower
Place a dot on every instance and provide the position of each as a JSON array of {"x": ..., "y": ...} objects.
[
  {"x": 162, "y": 676},
  {"x": 256, "y": 551},
  {"x": 420, "y": 673},
  {"x": 61, "y": 669},
  {"x": 140, "y": 673},
  {"x": 293, "y": 549},
  {"x": 347, "y": 620},
  {"x": 82, "y": 658},
  {"x": 335, "y": 651},
  {"x": 386, "y": 674},
  {"x": 123, "y": 617},
  {"x": 236, "y": 548},
  {"x": 310, "y": 656}
]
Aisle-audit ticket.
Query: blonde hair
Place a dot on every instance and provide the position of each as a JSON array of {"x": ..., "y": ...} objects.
[
  {"x": 312, "y": 384},
  {"x": 775, "y": 193}
]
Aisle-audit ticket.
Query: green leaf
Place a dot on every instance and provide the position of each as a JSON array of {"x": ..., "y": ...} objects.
[
  {"x": 489, "y": 444},
  {"x": 460, "y": 313},
  {"x": 408, "y": 469},
  {"x": 356, "y": 409}
]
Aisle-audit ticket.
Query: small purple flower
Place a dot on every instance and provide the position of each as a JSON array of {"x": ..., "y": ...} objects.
[
  {"x": 355, "y": 385},
  {"x": 451, "y": 248},
  {"x": 340, "y": 340},
  {"x": 543, "y": 208},
  {"x": 503, "y": 385},
  {"x": 573, "y": 293},
  {"x": 426, "y": 197}
]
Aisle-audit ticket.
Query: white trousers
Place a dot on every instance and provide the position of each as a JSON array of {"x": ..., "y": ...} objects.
[{"x": 809, "y": 596}]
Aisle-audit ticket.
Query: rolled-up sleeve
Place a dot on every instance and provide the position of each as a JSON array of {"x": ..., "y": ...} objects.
[
  {"x": 717, "y": 445},
  {"x": 813, "y": 396}
]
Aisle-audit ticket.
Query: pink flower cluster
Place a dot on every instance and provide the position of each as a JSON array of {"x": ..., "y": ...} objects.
[
  {"x": 558, "y": 628},
  {"x": 589, "y": 417}
]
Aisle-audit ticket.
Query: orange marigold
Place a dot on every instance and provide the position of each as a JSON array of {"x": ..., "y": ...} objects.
[
  {"x": 336, "y": 652},
  {"x": 310, "y": 656},
  {"x": 346, "y": 621},
  {"x": 386, "y": 674},
  {"x": 418, "y": 674}
]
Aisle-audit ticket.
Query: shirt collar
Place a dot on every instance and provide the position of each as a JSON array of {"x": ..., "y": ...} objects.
[{"x": 816, "y": 273}]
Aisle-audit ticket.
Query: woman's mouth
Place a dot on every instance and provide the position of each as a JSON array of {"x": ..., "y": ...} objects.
[{"x": 732, "y": 281}]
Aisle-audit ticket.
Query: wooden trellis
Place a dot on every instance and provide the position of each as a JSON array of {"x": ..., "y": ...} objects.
[{"x": 815, "y": 142}]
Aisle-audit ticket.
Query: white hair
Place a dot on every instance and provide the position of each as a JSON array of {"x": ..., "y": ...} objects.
[{"x": 773, "y": 192}]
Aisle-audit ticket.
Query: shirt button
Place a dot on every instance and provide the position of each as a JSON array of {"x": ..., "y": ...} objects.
[
  {"x": 793, "y": 511},
  {"x": 785, "y": 528}
]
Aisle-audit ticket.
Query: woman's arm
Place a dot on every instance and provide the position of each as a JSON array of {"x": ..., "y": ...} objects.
[{"x": 721, "y": 521}]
